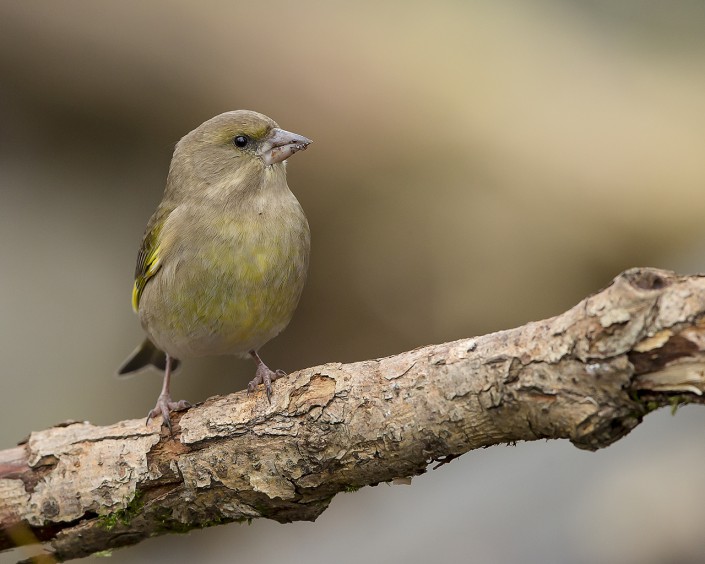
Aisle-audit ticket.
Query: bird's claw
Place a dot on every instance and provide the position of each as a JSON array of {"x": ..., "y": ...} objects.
[
  {"x": 265, "y": 376},
  {"x": 163, "y": 407}
]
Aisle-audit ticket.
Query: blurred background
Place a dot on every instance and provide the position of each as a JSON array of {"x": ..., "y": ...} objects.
[{"x": 476, "y": 165}]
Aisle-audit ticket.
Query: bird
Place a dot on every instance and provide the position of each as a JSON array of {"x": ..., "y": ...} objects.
[{"x": 224, "y": 257}]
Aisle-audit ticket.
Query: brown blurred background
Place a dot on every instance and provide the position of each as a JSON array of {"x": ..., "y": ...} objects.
[{"x": 476, "y": 165}]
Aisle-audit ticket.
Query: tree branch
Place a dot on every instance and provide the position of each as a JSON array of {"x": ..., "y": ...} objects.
[{"x": 588, "y": 375}]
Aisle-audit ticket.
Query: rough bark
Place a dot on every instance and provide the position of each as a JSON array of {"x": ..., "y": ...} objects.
[{"x": 588, "y": 375}]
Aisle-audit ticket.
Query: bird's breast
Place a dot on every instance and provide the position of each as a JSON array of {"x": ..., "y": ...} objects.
[{"x": 229, "y": 282}]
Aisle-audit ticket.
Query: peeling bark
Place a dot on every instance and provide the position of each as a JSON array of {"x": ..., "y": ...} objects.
[{"x": 588, "y": 375}]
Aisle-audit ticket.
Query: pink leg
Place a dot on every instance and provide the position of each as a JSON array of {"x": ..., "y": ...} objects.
[
  {"x": 164, "y": 402},
  {"x": 264, "y": 375}
]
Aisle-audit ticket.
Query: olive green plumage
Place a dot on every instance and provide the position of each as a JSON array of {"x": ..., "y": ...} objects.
[{"x": 224, "y": 258}]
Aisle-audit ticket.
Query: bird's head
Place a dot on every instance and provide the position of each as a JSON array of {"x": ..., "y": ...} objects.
[{"x": 235, "y": 144}]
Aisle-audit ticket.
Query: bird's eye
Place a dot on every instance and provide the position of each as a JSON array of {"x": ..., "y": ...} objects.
[{"x": 241, "y": 141}]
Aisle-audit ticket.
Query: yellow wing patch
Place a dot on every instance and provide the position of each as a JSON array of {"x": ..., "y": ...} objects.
[
  {"x": 148, "y": 262},
  {"x": 141, "y": 281}
]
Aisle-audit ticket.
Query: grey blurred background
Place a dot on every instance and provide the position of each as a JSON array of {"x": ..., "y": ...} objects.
[{"x": 476, "y": 165}]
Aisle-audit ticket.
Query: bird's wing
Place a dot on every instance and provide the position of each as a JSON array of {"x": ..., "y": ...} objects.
[{"x": 148, "y": 258}]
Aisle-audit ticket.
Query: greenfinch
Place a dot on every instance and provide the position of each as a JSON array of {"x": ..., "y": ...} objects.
[{"x": 224, "y": 258}]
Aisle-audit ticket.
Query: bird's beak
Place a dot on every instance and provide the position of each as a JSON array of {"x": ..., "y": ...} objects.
[{"x": 280, "y": 145}]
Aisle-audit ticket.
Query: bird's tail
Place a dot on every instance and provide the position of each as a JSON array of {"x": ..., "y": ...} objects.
[{"x": 144, "y": 356}]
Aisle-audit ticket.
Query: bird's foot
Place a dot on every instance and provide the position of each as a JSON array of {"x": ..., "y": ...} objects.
[
  {"x": 265, "y": 376},
  {"x": 164, "y": 406}
]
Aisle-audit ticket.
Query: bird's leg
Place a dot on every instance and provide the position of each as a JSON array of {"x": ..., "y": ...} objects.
[
  {"x": 164, "y": 401},
  {"x": 264, "y": 375}
]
